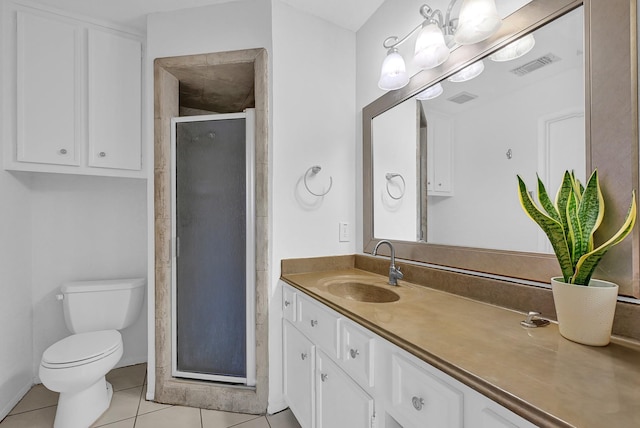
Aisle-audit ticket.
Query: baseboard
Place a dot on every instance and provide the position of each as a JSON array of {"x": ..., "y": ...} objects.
[
  {"x": 6, "y": 408},
  {"x": 130, "y": 361},
  {"x": 276, "y": 405}
]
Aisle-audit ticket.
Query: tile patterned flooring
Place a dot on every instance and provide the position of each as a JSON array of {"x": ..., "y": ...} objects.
[{"x": 129, "y": 409}]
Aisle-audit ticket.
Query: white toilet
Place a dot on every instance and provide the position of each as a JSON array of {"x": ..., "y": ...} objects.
[{"x": 76, "y": 365}]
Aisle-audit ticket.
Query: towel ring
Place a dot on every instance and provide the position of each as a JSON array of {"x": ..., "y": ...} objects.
[
  {"x": 314, "y": 170},
  {"x": 390, "y": 176}
]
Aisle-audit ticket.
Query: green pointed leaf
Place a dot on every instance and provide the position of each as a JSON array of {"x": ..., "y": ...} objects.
[
  {"x": 562, "y": 198},
  {"x": 588, "y": 262},
  {"x": 590, "y": 212},
  {"x": 552, "y": 228},
  {"x": 574, "y": 231},
  {"x": 546, "y": 202}
]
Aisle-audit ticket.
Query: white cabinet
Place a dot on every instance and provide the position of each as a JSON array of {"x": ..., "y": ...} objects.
[
  {"x": 49, "y": 90},
  {"x": 317, "y": 389},
  {"x": 340, "y": 402},
  {"x": 299, "y": 369},
  {"x": 77, "y": 106},
  {"x": 114, "y": 100},
  {"x": 440, "y": 139},
  {"x": 369, "y": 382}
]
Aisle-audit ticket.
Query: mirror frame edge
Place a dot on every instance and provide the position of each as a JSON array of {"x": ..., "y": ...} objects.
[{"x": 599, "y": 105}]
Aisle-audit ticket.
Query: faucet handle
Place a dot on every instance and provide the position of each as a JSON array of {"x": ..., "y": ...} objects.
[{"x": 398, "y": 273}]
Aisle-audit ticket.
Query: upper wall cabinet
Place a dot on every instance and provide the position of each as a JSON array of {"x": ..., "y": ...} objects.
[{"x": 77, "y": 104}]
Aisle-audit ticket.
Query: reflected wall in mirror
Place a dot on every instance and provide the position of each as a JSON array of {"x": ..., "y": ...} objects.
[
  {"x": 444, "y": 168},
  {"x": 424, "y": 231}
]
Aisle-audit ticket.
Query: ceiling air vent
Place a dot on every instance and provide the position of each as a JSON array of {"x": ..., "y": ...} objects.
[
  {"x": 462, "y": 97},
  {"x": 535, "y": 64}
]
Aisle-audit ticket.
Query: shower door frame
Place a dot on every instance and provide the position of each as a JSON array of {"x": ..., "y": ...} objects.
[{"x": 250, "y": 379}]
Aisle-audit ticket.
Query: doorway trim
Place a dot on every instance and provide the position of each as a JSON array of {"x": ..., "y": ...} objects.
[{"x": 195, "y": 393}]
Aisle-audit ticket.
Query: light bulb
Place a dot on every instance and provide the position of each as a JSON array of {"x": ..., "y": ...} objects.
[
  {"x": 393, "y": 74},
  {"x": 478, "y": 21},
  {"x": 430, "y": 49},
  {"x": 514, "y": 49},
  {"x": 431, "y": 92},
  {"x": 468, "y": 73}
]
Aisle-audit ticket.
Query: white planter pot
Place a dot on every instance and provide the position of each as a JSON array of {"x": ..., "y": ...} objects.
[{"x": 585, "y": 314}]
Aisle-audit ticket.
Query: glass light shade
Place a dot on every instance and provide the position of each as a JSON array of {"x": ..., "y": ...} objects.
[
  {"x": 430, "y": 50},
  {"x": 468, "y": 73},
  {"x": 394, "y": 72},
  {"x": 478, "y": 21},
  {"x": 515, "y": 49},
  {"x": 431, "y": 92}
]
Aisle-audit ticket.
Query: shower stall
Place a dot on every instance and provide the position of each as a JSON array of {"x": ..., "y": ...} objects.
[{"x": 213, "y": 246}]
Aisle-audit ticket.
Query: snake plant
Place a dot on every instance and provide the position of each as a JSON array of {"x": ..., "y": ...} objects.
[{"x": 571, "y": 221}]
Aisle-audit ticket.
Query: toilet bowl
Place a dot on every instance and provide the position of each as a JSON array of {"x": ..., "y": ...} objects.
[{"x": 76, "y": 367}]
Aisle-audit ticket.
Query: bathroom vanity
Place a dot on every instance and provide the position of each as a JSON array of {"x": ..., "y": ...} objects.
[{"x": 361, "y": 353}]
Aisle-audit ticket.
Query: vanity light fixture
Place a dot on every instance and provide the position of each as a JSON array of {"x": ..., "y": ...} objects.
[
  {"x": 468, "y": 72},
  {"x": 438, "y": 34},
  {"x": 430, "y": 93},
  {"x": 515, "y": 49}
]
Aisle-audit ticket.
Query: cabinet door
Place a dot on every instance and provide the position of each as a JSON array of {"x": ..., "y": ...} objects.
[
  {"x": 439, "y": 154},
  {"x": 114, "y": 84},
  {"x": 340, "y": 402},
  {"x": 299, "y": 363},
  {"x": 48, "y": 90}
]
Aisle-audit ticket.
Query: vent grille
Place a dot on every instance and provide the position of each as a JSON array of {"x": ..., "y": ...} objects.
[
  {"x": 536, "y": 64},
  {"x": 462, "y": 97}
]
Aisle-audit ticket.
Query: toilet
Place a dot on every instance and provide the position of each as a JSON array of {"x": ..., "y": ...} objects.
[{"x": 76, "y": 365}]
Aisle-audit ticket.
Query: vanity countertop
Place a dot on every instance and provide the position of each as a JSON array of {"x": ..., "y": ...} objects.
[{"x": 536, "y": 373}]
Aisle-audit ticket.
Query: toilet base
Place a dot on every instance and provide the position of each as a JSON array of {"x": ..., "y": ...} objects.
[{"x": 82, "y": 408}]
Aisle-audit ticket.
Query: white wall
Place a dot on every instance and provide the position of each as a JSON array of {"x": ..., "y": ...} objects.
[
  {"x": 16, "y": 321},
  {"x": 314, "y": 121},
  {"x": 85, "y": 228}
]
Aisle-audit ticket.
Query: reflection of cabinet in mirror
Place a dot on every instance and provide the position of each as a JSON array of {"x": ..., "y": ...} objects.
[{"x": 440, "y": 141}]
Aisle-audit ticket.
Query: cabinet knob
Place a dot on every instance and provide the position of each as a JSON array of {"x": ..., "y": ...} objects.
[
  {"x": 62, "y": 151},
  {"x": 102, "y": 154},
  {"x": 439, "y": 184},
  {"x": 304, "y": 355},
  {"x": 418, "y": 403},
  {"x": 286, "y": 303},
  {"x": 324, "y": 377},
  {"x": 314, "y": 323},
  {"x": 354, "y": 353}
]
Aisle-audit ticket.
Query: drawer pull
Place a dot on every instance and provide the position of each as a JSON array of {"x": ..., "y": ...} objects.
[
  {"x": 286, "y": 303},
  {"x": 102, "y": 154},
  {"x": 63, "y": 151},
  {"x": 304, "y": 355},
  {"x": 418, "y": 403},
  {"x": 324, "y": 377},
  {"x": 314, "y": 323},
  {"x": 354, "y": 353}
]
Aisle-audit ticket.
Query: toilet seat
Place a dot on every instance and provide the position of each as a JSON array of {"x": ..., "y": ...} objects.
[{"x": 80, "y": 349}]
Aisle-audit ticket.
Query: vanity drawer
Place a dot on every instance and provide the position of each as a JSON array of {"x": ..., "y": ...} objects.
[
  {"x": 319, "y": 324},
  {"x": 357, "y": 352},
  {"x": 289, "y": 304},
  {"x": 421, "y": 399}
]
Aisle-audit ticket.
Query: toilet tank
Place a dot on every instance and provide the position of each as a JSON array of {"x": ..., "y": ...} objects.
[{"x": 111, "y": 304}]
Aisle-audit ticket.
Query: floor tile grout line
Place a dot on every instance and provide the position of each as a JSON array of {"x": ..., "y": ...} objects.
[{"x": 31, "y": 410}]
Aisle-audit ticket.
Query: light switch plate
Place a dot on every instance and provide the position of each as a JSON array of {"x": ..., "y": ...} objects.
[{"x": 344, "y": 233}]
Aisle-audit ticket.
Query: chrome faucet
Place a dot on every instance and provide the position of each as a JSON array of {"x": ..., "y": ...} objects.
[{"x": 394, "y": 272}]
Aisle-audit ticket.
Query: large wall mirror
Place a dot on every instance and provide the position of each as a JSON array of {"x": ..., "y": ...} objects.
[{"x": 440, "y": 173}]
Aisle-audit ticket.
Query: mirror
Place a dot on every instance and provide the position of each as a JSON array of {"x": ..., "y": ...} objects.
[
  {"x": 434, "y": 159},
  {"x": 610, "y": 144}
]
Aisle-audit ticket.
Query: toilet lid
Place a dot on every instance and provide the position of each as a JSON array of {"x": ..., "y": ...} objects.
[{"x": 82, "y": 348}]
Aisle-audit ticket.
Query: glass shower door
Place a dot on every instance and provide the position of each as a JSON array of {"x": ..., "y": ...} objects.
[{"x": 213, "y": 263}]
